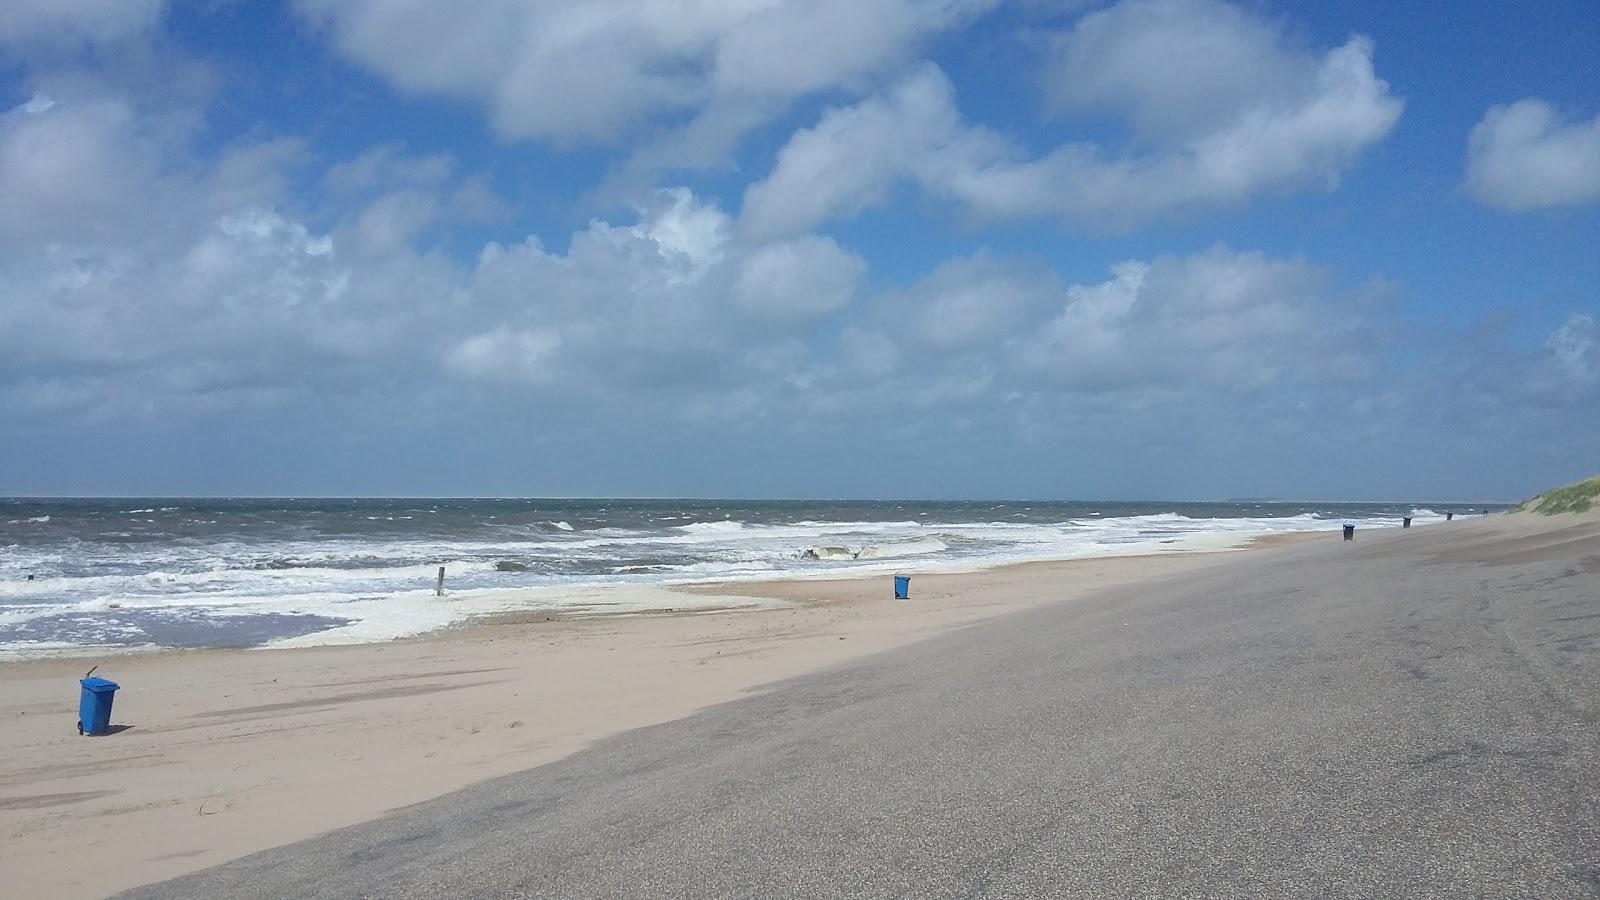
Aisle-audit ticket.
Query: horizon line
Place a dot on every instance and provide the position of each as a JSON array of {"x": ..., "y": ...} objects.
[{"x": 728, "y": 499}]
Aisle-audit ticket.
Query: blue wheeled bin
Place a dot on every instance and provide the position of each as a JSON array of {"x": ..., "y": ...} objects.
[
  {"x": 902, "y": 587},
  {"x": 94, "y": 705}
]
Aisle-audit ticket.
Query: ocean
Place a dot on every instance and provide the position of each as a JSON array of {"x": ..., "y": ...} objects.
[{"x": 88, "y": 575}]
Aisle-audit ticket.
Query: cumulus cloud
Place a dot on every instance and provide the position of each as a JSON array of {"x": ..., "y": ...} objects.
[
  {"x": 389, "y": 166},
  {"x": 1002, "y": 340},
  {"x": 797, "y": 281},
  {"x": 852, "y": 158},
  {"x": 1566, "y": 371},
  {"x": 228, "y": 307},
  {"x": 980, "y": 303},
  {"x": 1212, "y": 138},
  {"x": 1240, "y": 321},
  {"x": 232, "y": 302},
  {"x": 578, "y": 72},
  {"x": 1526, "y": 156},
  {"x": 175, "y": 283},
  {"x": 67, "y": 24},
  {"x": 674, "y": 300},
  {"x": 1174, "y": 67},
  {"x": 147, "y": 276},
  {"x": 188, "y": 286}
]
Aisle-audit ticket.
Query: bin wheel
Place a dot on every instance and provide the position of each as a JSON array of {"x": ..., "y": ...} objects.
[{"x": 80, "y": 729}]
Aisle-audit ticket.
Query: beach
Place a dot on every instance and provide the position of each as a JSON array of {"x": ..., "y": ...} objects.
[
  {"x": 1410, "y": 677},
  {"x": 227, "y": 752}
]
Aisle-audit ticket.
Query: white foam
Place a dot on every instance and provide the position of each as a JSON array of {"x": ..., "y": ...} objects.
[
  {"x": 910, "y": 548},
  {"x": 723, "y": 527},
  {"x": 65, "y": 649},
  {"x": 419, "y": 612},
  {"x": 394, "y": 596}
]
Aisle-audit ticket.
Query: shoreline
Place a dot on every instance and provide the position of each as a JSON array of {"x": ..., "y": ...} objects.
[
  {"x": 230, "y": 751},
  {"x": 527, "y": 604}
]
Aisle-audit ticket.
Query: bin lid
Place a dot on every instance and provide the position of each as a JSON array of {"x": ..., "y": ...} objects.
[{"x": 98, "y": 684}]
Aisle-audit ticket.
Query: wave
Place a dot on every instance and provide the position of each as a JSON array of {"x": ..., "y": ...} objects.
[
  {"x": 723, "y": 527},
  {"x": 891, "y": 551},
  {"x": 912, "y": 548},
  {"x": 382, "y": 580},
  {"x": 37, "y": 520},
  {"x": 829, "y": 553}
]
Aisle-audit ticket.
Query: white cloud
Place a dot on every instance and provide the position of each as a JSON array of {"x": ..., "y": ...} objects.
[
  {"x": 1248, "y": 137},
  {"x": 394, "y": 220},
  {"x": 1526, "y": 156},
  {"x": 65, "y": 24},
  {"x": 674, "y": 301},
  {"x": 502, "y": 354},
  {"x": 401, "y": 195},
  {"x": 1181, "y": 349},
  {"x": 39, "y": 103},
  {"x": 851, "y": 159},
  {"x": 1239, "y": 321},
  {"x": 800, "y": 280},
  {"x": 973, "y": 303},
  {"x": 146, "y": 276},
  {"x": 72, "y": 169},
  {"x": 200, "y": 290},
  {"x": 178, "y": 285},
  {"x": 1568, "y": 369},
  {"x": 227, "y": 299},
  {"x": 1575, "y": 347},
  {"x": 1001, "y": 339},
  {"x": 1174, "y": 67},
  {"x": 574, "y": 71},
  {"x": 389, "y": 166}
]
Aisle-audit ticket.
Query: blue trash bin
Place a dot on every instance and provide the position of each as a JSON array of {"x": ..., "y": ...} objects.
[
  {"x": 94, "y": 705},
  {"x": 902, "y": 587}
]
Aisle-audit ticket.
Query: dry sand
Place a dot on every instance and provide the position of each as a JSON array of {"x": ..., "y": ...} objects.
[{"x": 224, "y": 753}]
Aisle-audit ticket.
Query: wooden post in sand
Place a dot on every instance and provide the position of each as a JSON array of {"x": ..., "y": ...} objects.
[{"x": 439, "y": 591}]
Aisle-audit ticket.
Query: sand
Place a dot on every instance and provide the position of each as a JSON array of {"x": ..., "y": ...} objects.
[
  {"x": 1410, "y": 714},
  {"x": 219, "y": 754}
]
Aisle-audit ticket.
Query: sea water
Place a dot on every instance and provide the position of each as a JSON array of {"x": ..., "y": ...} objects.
[{"x": 80, "y": 574}]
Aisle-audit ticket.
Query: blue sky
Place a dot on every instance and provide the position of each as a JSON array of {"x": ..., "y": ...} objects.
[{"x": 903, "y": 248}]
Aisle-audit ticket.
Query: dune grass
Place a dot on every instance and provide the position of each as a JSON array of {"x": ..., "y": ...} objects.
[{"x": 1574, "y": 498}]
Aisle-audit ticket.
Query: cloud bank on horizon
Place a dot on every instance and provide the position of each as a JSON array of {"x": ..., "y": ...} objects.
[{"x": 903, "y": 247}]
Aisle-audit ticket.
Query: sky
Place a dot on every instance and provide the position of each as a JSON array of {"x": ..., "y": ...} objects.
[{"x": 1149, "y": 249}]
